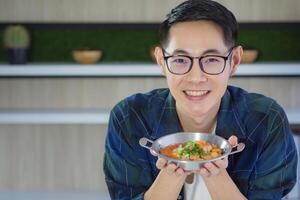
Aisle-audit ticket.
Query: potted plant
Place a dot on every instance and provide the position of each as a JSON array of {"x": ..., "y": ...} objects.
[{"x": 17, "y": 41}]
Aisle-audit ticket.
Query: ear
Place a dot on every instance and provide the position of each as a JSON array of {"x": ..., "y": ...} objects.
[
  {"x": 236, "y": 59},
  {"x": 159, "y": 56}
]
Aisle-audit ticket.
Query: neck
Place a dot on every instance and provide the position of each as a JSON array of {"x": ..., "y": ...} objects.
[{"x": 200, "y": 123}]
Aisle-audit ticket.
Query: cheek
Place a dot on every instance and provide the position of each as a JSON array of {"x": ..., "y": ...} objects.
[
  {"x": 221, "y": 85},
  {"x": 174, "y": 84},
  {"x": 171, "y": 84}
]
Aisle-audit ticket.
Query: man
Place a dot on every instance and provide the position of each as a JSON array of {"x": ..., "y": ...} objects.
[{"x": 197, "y": 55}]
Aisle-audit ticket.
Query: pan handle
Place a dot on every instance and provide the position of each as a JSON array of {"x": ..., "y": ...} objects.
[
  {"x": 144, "y": 143},
  {"x": 239, "y": 147}
]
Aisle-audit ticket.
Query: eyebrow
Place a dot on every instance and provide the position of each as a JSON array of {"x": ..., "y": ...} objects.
[{"x": 184, "y": 52}]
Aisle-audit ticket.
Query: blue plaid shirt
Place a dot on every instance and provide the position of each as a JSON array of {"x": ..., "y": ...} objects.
[{"x": 266, "y": 169}]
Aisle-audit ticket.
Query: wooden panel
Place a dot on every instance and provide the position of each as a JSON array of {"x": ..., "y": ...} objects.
[
  {"x": 104, "y": 93},
  {"x": 71, "y": 93},
  {"x": 285, "y": 90},
  {"x": 135, "y": 10},
  {"x": 52, "y": 157},
  {"x": 266, "y": 10},
  {"x": 85, "y": 11}
]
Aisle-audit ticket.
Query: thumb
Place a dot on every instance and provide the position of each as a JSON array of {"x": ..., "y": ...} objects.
[{"x": 233, "y": 140}]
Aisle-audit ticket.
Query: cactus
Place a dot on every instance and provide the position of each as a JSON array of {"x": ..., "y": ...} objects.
[{"x": 16, "y": 36}]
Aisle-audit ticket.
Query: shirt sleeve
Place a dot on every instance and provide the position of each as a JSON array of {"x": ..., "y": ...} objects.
[
  {"x": 126, "y": 169},
  {"x": 275, "y": 171}
]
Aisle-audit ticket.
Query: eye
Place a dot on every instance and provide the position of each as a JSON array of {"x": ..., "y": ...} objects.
[
  {"x": 179, "y": 60},
  {"x": 212, "y": 60}
]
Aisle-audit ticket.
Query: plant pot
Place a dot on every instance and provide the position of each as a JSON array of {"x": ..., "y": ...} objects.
[{"x": 17, "y": 55}]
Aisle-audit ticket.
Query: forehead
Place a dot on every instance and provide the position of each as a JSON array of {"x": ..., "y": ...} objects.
[{"x": 196, "y": 36}]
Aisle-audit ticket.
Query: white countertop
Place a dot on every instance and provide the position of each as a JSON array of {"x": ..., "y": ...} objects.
[
  {"x": 53, "y": 195},
  {"x": 133, "y": 69},
  {"x": 54, "y": 116}
]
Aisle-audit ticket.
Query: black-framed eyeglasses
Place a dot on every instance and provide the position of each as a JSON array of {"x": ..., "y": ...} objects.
[{"x": 209, "y": 64}]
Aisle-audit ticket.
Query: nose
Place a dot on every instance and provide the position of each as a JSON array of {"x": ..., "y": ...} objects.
[{"x": 196, "y": 74}]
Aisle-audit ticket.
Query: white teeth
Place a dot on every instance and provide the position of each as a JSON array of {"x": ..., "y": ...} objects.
[{"x": 196, "y": 92}]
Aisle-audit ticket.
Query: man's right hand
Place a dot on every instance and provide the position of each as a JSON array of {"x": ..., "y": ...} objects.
[
  {"x": 168, "y": 183},
  {"x": 170, "y": 168}
]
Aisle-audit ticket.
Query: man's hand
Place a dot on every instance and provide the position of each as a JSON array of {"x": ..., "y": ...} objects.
[
  {"x": 170, "y": 168},
  {"x": 214, "y": 168},
  {"x": 171, "y": 178}
]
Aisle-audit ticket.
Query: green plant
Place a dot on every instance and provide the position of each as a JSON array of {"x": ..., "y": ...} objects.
[{"x": 16, "y": 36}]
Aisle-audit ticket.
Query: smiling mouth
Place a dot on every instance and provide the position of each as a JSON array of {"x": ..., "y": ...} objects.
[{"x": 196, "y": 93}]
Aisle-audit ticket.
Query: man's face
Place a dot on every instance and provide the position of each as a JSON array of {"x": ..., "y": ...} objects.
[{"x": 197, "y": 93}]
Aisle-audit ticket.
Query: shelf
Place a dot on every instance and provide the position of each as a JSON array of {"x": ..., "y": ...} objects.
[
  {"x": 64, "y": 116},
  {"x": 293, "y": 116},
  {"x": 133, "y": 69},
  {"x": 71, "y": 70},
  {"x": 37, "y": 195},
  {"x": 84, "y": 116}
]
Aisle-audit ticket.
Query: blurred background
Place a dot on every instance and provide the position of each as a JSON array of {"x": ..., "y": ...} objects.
[{"x": 65, "y": 63}]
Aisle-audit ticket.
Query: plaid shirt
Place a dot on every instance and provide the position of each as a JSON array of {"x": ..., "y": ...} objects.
[{"x": 266, "y": 169}]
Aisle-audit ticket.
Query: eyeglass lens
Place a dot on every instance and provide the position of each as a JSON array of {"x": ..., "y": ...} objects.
[{"x": 209, "y": 64}]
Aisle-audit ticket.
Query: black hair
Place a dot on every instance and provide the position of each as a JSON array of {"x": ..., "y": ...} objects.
[{"x": 194, "y": 10}]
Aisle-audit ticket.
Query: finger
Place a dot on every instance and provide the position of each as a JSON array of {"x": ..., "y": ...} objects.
[
  {"x": 212, "y": 169},
  {"x": 179, "y": 172},
  {"x": 161, "y": 163},
  {"x": 221, "y": 163},
  {"x": 204, "y": 172},
  {"x": 233, "y": 140},
  {"x": 171, "y": 168},
  {"x": 153, "y": 152}
]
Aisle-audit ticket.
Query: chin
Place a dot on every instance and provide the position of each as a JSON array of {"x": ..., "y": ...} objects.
[{"x": 199, "y": 111}]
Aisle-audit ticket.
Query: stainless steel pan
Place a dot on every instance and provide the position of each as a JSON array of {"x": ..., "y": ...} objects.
[{"x": 182, "y": 137}]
